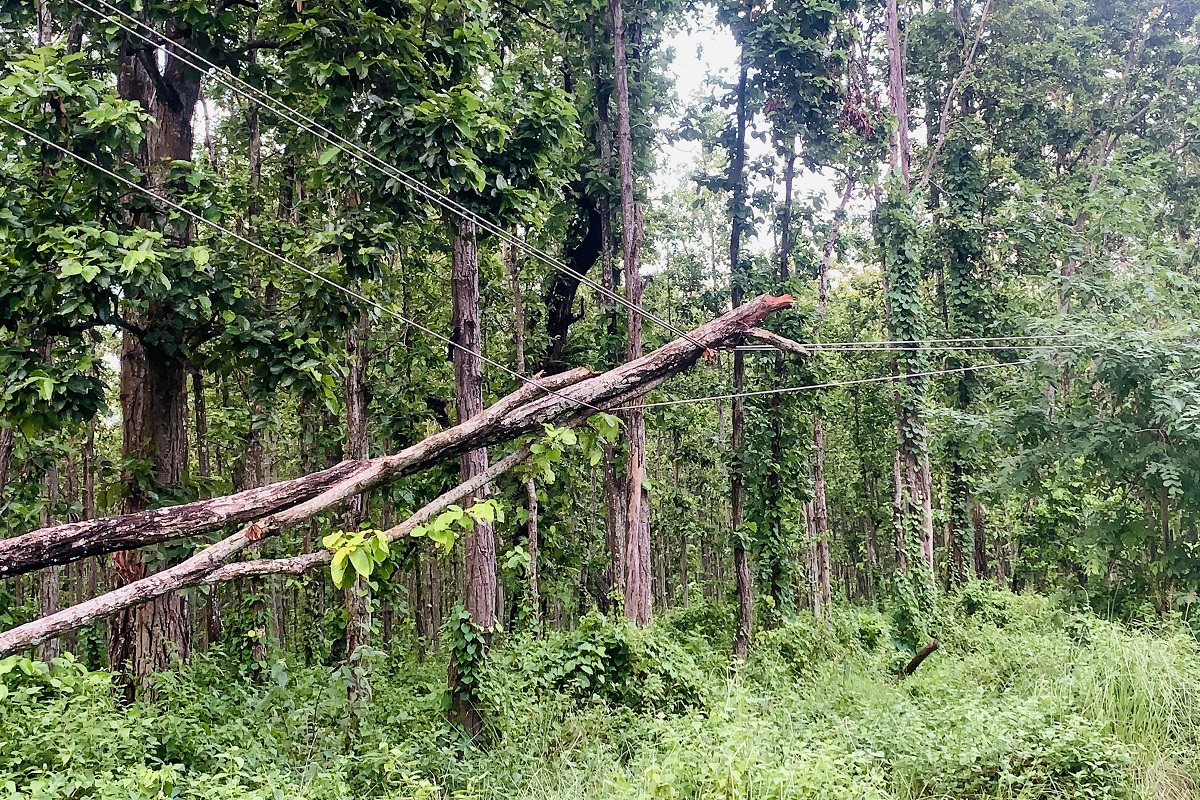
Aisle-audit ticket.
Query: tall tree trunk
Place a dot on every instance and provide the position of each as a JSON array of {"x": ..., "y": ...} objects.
[
  {"x": 741, "y": 559},
  {"x": 143, "y": 640},
  {"x": 512, "y": 261},
  {"x": 913, "y": 489},
  {"x": 51, "y": 580},
  {"x": 480, "y": 546},
  {"x": 785, "y": 219},
  {"x": 610, "y": 277},
  {"x": 897, "y": 93},
  {"x": 358, "y": 595},
  {"x": 820, "y": 511},
  {"x": 200, "y": 409},
  {"x": 638, "y": 569},
  {"x": 820, "y": 515}
]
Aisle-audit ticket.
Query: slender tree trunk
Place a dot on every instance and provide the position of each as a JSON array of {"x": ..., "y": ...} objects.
[
  {"x": 896, "y": 88},
  {"x": 535, "y": 594},
  {"x": 51, "y": 579},
  {"x": 6, "y": 450},
  {"x": 357, "y": 596},
  {"x": 531, "y": 500},
  {"x": 821, "y": 516},
  {"x": 820, "y": 509},
  {"x": 741, "y": 559},
  {"x": 637, "y": 516},
  {"x": 785, "y": 220},
  {"x": 200, "y": 409},
  {"x": 480, "y": 546}
]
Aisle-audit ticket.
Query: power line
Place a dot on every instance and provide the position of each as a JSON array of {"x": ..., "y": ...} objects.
[
  {"x": 364, "y": 155},
  {"x": 766, "y": 348},
  {"x": 952, "y": 341},
  {"x": 287, "y": 261},
  {"x": 831, "y": 385}
]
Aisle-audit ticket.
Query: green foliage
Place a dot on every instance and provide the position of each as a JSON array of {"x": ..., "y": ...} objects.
[
  {"x": 363, "y": 551},
  {"x": 456, "y": 521},
  {"x": 1023, "y": 711},
  {"x": 609, "y": 661},
  {"x": 468, "y": 647}
]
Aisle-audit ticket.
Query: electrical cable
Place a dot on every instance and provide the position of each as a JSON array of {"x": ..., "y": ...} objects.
[
  {"x": 287, "y": 261},
  {"x": 363, "y": 155},
  {"x": 830, "y": 385}
]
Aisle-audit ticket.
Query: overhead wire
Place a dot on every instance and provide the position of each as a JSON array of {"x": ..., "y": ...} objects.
[
  {"x": 812, "y": 386},
  {"x": 287, "y": 261},
  {"x": 816, "y": 347},
  {"x": 364, "y": 156},
  {"x": 391, "y": 312},
  {"x": 299, "y": 119}
]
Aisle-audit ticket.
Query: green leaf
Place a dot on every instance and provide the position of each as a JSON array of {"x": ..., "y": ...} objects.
[
  {"x": 328, "y": 155},
  {"x": 337, "y": 569},
  {"x": 445, "y": 537},
  {"x": 361, "y": 561}
]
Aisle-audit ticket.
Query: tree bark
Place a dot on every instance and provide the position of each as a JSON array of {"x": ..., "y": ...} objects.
[
  {"x": 637, "y": 556},
  {"x": 897, "y": 94},
  {"x": 741, "y": 559},
  {"x": 153, "y": 399},
  {"x": 785, "y": 219},
  {"x": 820, "y": 514},
  {"x": 200, "y": 409},
  {"x": 6, "y": 450},
  {"x": 921, "y": 655},
  {"x": 358, "y": 595},
  {"x": 480, "y": 545},
  {"x": 514, "y": 416},
  {"x": 51, "y": 580}
]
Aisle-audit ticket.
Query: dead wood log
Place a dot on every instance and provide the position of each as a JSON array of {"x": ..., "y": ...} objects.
[
  {"x": 62, "y": 544},
  {"x": 921, "y": 655},
  {"x": 515, "y": 415},
  {"x": 298, "y": 565},
  {"x": 779, "y": 342}
]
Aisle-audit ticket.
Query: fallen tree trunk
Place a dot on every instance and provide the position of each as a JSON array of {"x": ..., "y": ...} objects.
[
  {"x": 778, "y": 342},
  {"x": 573, "y": 400},
  {"x": 921, "y": 655},
  {"x": 206, "y": 567},
  {"x": 298, "y": 565},
  {"x": 63, "y": 544}
]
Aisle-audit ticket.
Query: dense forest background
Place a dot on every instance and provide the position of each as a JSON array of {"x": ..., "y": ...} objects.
[{"x": 247, "y": 247}]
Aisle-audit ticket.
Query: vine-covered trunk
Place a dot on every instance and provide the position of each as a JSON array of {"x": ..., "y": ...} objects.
[
  {"x": 637, "y": 555},
  {"x": 896, "y": 231},
  {"x": 741, "y": 559}
]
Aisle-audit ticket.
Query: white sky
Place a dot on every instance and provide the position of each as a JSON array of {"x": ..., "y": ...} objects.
[{"x": 705, "y": 53}]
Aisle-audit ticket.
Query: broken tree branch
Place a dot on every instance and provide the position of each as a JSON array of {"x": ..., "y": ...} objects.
[
  {"x": 778, "y": 342},
  {"x": 511, "y": 417},
  {"x": 298, "y": 565},
  {"x": 63, "y": 544},
  {"x": 921, "y": 655}
]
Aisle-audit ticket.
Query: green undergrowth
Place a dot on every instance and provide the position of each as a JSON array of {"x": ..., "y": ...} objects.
[{"x": 1022, "y": 700}]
